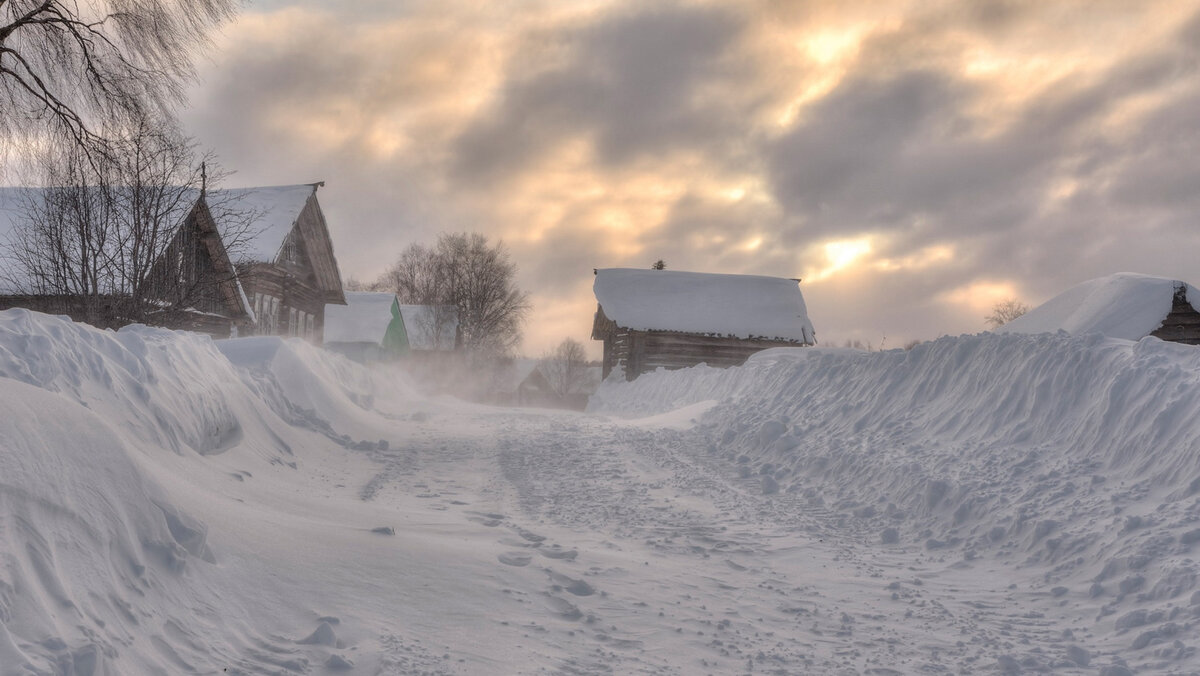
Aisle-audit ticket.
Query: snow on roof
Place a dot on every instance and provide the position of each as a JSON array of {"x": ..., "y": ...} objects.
[
  {"x": 430, "y": 327},
  {"x": 14, "y": 203},
  {"x": 18, "y": 204},
  {"x": 1124, "y": 305},
  {"x": 744, "y": 306},
  {"x": 275, "y": 210},
  {"x": 363, "y": 319}
]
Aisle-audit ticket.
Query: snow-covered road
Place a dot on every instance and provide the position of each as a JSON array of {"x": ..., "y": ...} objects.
[
  {"x": 984, "y": 504},
  {"x": 635, "y": 549}
]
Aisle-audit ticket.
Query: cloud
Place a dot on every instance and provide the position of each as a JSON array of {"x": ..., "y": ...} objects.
[
  {"x": 909, "y": 159},
  {"x": 633, "y": 83}
]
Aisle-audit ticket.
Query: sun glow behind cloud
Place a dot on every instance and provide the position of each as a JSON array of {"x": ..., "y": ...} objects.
[
  {"x": 870, "y": 146},
  {"x": 840, "y": 255}
]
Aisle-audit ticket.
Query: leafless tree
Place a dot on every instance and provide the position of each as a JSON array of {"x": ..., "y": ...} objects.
[
  {"x": 62, "y": 245},
  {"x": 475, "y": 278},
  {"x": 566, "y": 368},
  {"x": 70, "y": 68},
  {"x": 102, "y": 234},
  {"x": 1005, "y": 311}
]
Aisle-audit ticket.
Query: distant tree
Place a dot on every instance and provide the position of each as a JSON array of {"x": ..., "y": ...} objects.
[
  {"x": 355, "y": 284},
  {"x": 566, "y": 367},
  {"x": 68, "y": 69},
  {"x": 474, "y": 277},
  {"x": 1005, "y": 311},
  {"x": 659, "y": 264}
]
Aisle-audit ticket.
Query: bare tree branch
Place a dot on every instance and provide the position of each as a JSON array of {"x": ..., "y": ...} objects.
[{"x": 69, "y": 69}]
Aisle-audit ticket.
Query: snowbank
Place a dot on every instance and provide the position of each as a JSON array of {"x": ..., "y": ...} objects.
[
  {"x": 99, "y": 438},
  {"x": 1077, "y": 454},
  {"x": 1124, "y": 305}
]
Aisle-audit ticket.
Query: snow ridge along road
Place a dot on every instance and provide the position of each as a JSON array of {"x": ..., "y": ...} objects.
[{"x": 981, "y": 504}]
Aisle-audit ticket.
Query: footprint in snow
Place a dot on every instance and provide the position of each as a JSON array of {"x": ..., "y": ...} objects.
[
  {"x": 557, "y": 552},
  {"x": 563, "y": 608},
  {"x": 576, "y": 587},
  {"x": 514, "y": 559},
  {"x": 531, "y": 536}
]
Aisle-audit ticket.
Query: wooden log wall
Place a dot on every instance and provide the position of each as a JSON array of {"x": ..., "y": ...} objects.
[
  {"x": 1182, "y": 324},
  {"x": 292, "y": 292},
  {"x": 639, "y": 352}
]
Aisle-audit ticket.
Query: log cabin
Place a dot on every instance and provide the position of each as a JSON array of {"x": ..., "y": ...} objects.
[
  {"x": 287, "y": 266},
  {"x": 282, "y": 275},
  {"x": 192, "y": 285},
  {"x": 650, "y": 319}
]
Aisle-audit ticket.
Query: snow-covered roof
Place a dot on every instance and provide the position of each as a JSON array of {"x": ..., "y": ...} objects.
[
  {"x": 742, "y": 306},
  {"x": 14, "y": 203},
  {"x": 430, "y": 327},
  {"x": 1124, "y": 305},
  {"x": 363, "y": 319},
  {"x": 275, "y": 210}
]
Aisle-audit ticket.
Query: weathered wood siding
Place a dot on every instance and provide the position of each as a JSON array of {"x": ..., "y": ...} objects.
[
  {"x": 293, "y": 291},
  {"x": 1182, "y": 324},
  {"x": 318, "y": 248},
  {"x": 638, "y": 352}
]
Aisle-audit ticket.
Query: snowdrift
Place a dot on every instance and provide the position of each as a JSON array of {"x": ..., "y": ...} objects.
[
  {"x": 1080, "y": 455},
  {"x": 100, "y": 569}
]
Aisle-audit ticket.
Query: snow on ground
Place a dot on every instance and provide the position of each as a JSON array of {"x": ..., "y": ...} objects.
[{"x": 981, "y": 504}]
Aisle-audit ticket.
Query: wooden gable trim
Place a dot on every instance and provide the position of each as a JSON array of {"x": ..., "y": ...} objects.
[
  {"x": 228, "y": 284},
  {"x": 314, "y": 234}
]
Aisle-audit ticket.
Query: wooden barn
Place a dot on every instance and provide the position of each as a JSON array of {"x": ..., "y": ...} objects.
[
  {"x": 1123, "y": 305},
  {"x": 650, "y": 319},
  {"x": 288, "y": 269}
]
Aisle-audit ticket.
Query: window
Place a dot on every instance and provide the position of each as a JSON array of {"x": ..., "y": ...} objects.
[
  {"x": 292, "y": 321},
  {"x": 267, "y": 319}
]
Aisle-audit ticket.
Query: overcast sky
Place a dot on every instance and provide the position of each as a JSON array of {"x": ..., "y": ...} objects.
[{"x": 914, "y": 162}]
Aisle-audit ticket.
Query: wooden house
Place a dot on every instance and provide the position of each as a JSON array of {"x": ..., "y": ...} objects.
[
  {"x": 651, "y": 319},
  {"x": 192, "y": 286},
  {"x": 283, "y": 273},
  {"x": 287, "y": 268},
  {"x": 1124, "y": 305}
]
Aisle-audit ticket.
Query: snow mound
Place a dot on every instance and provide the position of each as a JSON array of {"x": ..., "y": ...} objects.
[
  {"x": 100, "y": 442},
  {"x": 1124, "y": 305},
  {"x": 172, "y": 389},
  {"x": 1076, "y": 455},
  {"x": 309, "y": 387}
]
